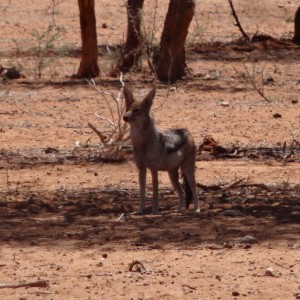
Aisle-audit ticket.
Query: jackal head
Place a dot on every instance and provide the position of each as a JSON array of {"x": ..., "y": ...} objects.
[{"x": 137, "y": 109}]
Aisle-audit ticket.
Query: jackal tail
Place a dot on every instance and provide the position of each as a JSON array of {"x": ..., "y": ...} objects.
[{"x": 188, "y": 194}]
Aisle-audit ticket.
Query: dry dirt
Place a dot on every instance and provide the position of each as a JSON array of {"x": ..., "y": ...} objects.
[{"x": 66, "y": 205}]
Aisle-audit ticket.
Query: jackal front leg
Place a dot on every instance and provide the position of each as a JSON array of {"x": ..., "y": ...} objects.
[
  {"x": 155, "y": 206},
  {"x": 142, "y": 182}
]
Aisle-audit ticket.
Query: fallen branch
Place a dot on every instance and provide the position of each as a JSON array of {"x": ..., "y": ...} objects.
[
  {"x": 121, "y": 217},
  {"x": 232, "y": 185},
  {"x": 21, "y": 109},
  {"x": 238, "y": 183},
  {"x": 39, "y": 283},
  {"x": 139, "y": 267},
  {"x": 294, "y": 141},
  {"x": 257, "y": 185},
  {"x": 219, "y": 188},
  {"x": 274, "y": 262},
  {"x": 189, "y": 286}
]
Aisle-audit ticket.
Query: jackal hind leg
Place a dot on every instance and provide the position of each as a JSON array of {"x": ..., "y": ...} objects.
[
  {"x": 142, "y": 182},
  {"x": 155, "y": 205},
  {"x": 174, "y": 177},
  {"x": 189, "y": 173}
]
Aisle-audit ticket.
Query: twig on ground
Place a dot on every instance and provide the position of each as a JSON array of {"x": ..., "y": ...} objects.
[
  {"x": 219, "y": 188},
  {"x": 22, "y": 110},
  {"x": 139, "y": 267},
  {"x": 120, "y": 218},
  {"x": 89, "y": 276},
  {"x": 232, "y": 185},
  {"x": 39, "y": 283},
  {"x": 294, "y": 140},
  {"x": 258, "y": 185},
  {"x": 189, "y": 286},
  {"x": 274, "y": 262}
]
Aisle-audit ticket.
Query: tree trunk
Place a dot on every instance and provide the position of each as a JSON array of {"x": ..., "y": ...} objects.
[
  {"x": 296, "y": 38},
  {"x": 89, "y": 58},
  {"x": 133, "y": 47},
  {"x": 170, "y": 62}
]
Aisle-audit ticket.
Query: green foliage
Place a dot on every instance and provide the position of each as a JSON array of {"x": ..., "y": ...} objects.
[
  {"x": 44, "y": 45},
  {"x": 196, "y": 33}
]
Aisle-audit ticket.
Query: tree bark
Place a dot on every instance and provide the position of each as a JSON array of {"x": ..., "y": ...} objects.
[
  {"x": 170, "y": 62},
  {"x": 89, "y": 58},
  {"x": 296, "y": 38},
  {"x": 133, "y": 47}
]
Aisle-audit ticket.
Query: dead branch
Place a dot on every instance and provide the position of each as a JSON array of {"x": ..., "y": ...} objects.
[
  {"x": 274, "y": 262},
  {"x": 190, "y": 287},
  {"x": 163, "y": 102},
  {"x": 89, "y": 276},
  {"x": 219, "y": 188},
  {"x": 18, "y": 107},
  {"x": 39, "y": 283},
  {"x": 101, "y": 136},
  {"x": 93, "y": 84},
  {"x": 232, "y": 185},
  {"x": 257, "y": 185},
  {"x": 294, "y": 141},
  {"x": 105, "y": 119},
  {"x": 238, "y": 23},
  {"x": 139, "y": 267},
  {"x": 120, "y": 218},
  {"x": 255, "y": 86},
  {"x": 120, "y": 129}
]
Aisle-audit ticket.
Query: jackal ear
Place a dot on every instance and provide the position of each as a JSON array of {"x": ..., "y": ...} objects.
[
  {"x": 128, "y": 97},
  {"x": 148, "y": 100}
]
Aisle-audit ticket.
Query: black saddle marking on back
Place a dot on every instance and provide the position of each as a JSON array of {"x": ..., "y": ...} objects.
[{"x": 173, "y": 140}]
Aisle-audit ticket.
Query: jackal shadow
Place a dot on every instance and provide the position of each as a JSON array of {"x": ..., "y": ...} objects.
[{"x": 105, "y": 217}]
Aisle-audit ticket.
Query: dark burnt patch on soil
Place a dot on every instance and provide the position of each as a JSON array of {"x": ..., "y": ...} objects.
[{"x": 261, "y": 48}]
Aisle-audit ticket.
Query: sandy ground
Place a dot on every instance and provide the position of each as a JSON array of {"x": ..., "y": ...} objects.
[{"x": 66, "y": 203}]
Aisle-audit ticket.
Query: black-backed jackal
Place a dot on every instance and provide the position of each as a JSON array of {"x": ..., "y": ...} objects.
[{"x": 160, "y": 151}]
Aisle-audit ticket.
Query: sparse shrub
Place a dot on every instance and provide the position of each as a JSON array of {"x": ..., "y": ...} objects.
[
  {"x": 44, "y": 46},
  {"x": 196, "y": 33}
]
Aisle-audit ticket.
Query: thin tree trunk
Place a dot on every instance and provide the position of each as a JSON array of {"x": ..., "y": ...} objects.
[
  {"x": 296, "y": 38},
  {"x": 170, "y": 61},
  {"x": 133, "y": 47},
  {"x": 89, "y": 58}
]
